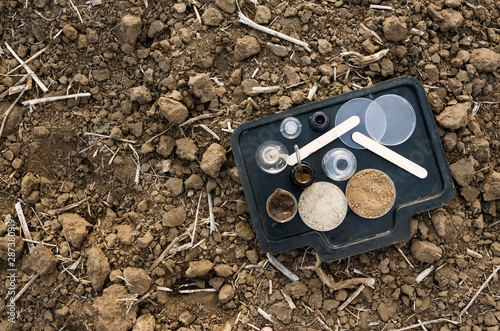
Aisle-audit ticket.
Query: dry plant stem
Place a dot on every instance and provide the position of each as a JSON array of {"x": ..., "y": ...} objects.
[
  {"x": 109, "y": 137},
  {"x": 201, "y": 117},
  {"x": 211, "y": 212},
  {"x": 6, "y": 114},
  {"x": 360, "y": 60},
  {"x": 245, "y": 20},
  {"x": 381, "y": 7},
  {"x": 25, "y": 287},
  {"x": 24, "y": 225},
  {"x": 38, "y": 242},
  {"x": 68, "y": 207},
  {"x": 253, "y": 103},
  {"x": 57, "y": 98},
  {"x": 421, "y": 276},
  {"x": 265, "y": 89},
  {"x": 28, "y": 69},
  {"x": 312, "y": 92},
  {"x": 418, "y": 325},
  {"x": 480, "y": 290},
  {"x": 196, "y": 219},
  {"x": 37, "y": 54},
  {"x": 197, "y": 290},
  {"x": 406, "y": 259},
  {"x": 138, "y": 169},
  {"x": 197, "y": 14},
  {"x": 164, "y": 253},
  {"x": 352, "y": 297},
  {"x": 206, "y": 128},
  {"x": 77, "y": 11},
  {"x": 290, "y": 275}
]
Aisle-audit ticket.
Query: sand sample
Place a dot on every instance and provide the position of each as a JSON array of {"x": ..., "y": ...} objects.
[
  {"x": 370, "y": 193},
  {"x": 322, "y": 206},
  {"x": 281, "y": 206}
]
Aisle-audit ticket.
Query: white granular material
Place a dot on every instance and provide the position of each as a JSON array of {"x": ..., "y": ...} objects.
[{"x": 322, "y": 206}]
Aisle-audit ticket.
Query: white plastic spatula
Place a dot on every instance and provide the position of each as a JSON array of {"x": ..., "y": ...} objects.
[
  {"x": 324, "y": 139},
  {"x": 389, "y": 155}
]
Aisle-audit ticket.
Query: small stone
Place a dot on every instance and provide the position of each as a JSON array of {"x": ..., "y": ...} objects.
[
  {"x": 40, "y": 3},
  {"x": 174, "y": 186},
  {"x": 262, "y": 15},
  {"x": 194, "y": 181},
  {"x": 244, "y": 231},
  {"x": 213, "y": 159},
  {"x": 386, "y": 67},
  {"x": 166, "y": 145},
  {"x": 102, "y": 75},
  {"x": 140, "y": 94},
  {"x": 485, "y": 60},
  {"x": 41, "y": 260},
  {"x": 199, "y": 268},
  {"x": 226, "y": 293},
  {"x": 463, "y": 171},
  {"x": 155, "y": 28},
  {"x": 369, "y": 46},
  {"x": 129, "y": 29},
  {"x": 284, "y": 103},
  {"x": 75, "y": 228},
  {"x": 223, "y": 270},
  {"x": 115, "y": 275},
  {"x": 252, "y": 256},
  {"x": 175, "y": 217},
  {"x": 186, "y": 318},
  {"x": 145, "y": 322},
  {"x": 81, "y": 79},
  {"x": 480, "y": 150},
  {"x": 454, "y": 117},
  {"x": 440, "y": 223},
  {"x": 202, "y": 86},
  {"x": 15, "y": 117},
  {"x": 386, "y": 310},
  {"x": 112, "y": 315},
  {"x": 211, "y": 16},
  {"x": 124, "y": 233},
  {"x": 143, "y": 242},
  {"x": 395, "y": 29},
  {"x": 172, "y": 110},
  {"x": 5, "y": 244},
  {"x": 278, "y": 50},
  {"x": 138, "y": 279},
  {"x": 445, "y": 276},
  {"x": 97, "y": 267},
  {"x": 281, "y": 310},
  {"x": 495, "y": 248},
  {"x": 490, "y": 319},
  {"x": 324, "y": 46},
  {"x": 425, "y": 251},
  {"x": 186, "y": 149},
  {"x": 70, "y": 32},
  {"x": 29, "y": 184},
  {"x": 491, "y": 190},
  {"x": 229, "y": 6},
  {"x": 452, "y": 19},
  {"x": 296, "y": 289},
  {"x": 246, "y": 47}
]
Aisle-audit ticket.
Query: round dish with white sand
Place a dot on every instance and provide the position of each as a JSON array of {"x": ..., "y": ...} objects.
[{"x": 322, "y": 206}]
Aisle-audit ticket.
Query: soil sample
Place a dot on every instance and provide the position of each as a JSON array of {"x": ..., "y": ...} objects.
[
  {"x": 370, "y": 193},
  {"x": 281, "y": 206},
  {"x": 322, "y": 206}
]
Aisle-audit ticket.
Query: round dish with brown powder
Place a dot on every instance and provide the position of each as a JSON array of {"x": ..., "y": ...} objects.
[
  {"x": 370, "y": 193},
  {"x": 281, "y": 206}
]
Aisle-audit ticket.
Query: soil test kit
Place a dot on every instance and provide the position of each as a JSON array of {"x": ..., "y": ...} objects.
[{"x": 387, "y": 130}]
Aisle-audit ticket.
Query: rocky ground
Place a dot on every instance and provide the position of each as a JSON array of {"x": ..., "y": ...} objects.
[{"x": 150, "y": 66}]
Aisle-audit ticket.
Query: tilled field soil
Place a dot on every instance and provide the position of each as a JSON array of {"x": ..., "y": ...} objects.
[{"x": 111, "y": 182}]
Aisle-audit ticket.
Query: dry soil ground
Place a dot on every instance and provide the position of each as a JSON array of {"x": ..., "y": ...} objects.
[{"x": 152, "y": 65}]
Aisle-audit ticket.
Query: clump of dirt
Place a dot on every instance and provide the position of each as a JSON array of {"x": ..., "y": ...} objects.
[{"x": 114, "y": 184}]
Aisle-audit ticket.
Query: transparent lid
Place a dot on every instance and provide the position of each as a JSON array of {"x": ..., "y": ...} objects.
[
  {"x": 400, "y": 119},
  {"x": 290, "y": 127},
  {"x": 339, "y": 164},
  {"x": 271, "y": 157},
  {"x": 358, "y": 107}
]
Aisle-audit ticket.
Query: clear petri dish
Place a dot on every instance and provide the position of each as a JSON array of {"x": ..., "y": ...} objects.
[
  {"x": 399, "y": 116},
  {"x": 271, "y": 157},
  {"x": 358, "y": 107},
  {"x": 339, "y": 164},
  {"x": 322, "y": 206},
  {"x": 290, "y": 127}
]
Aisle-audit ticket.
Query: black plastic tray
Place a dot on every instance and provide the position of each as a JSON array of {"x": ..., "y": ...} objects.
[{"x": 355, "y": 235}]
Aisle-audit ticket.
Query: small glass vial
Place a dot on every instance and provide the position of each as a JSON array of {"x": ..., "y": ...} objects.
[
  {"x": 290, "y": 128},
  {"x": 271, "y": 157},
  {"x": 319, "y": 121},
  {"x": 302, "y": 175}
]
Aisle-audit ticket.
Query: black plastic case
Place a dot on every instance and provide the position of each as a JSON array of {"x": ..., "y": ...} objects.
[{"x": 355, "y": 235}]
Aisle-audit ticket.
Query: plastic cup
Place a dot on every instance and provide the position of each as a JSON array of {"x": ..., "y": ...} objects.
[{"x": 339, "y": 164}]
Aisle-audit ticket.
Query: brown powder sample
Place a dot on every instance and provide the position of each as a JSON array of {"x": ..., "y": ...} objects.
[{"x": 370, "y": 193}]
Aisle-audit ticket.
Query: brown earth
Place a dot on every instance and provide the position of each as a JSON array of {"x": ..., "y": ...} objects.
[{"x": 150, "y": 68}]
